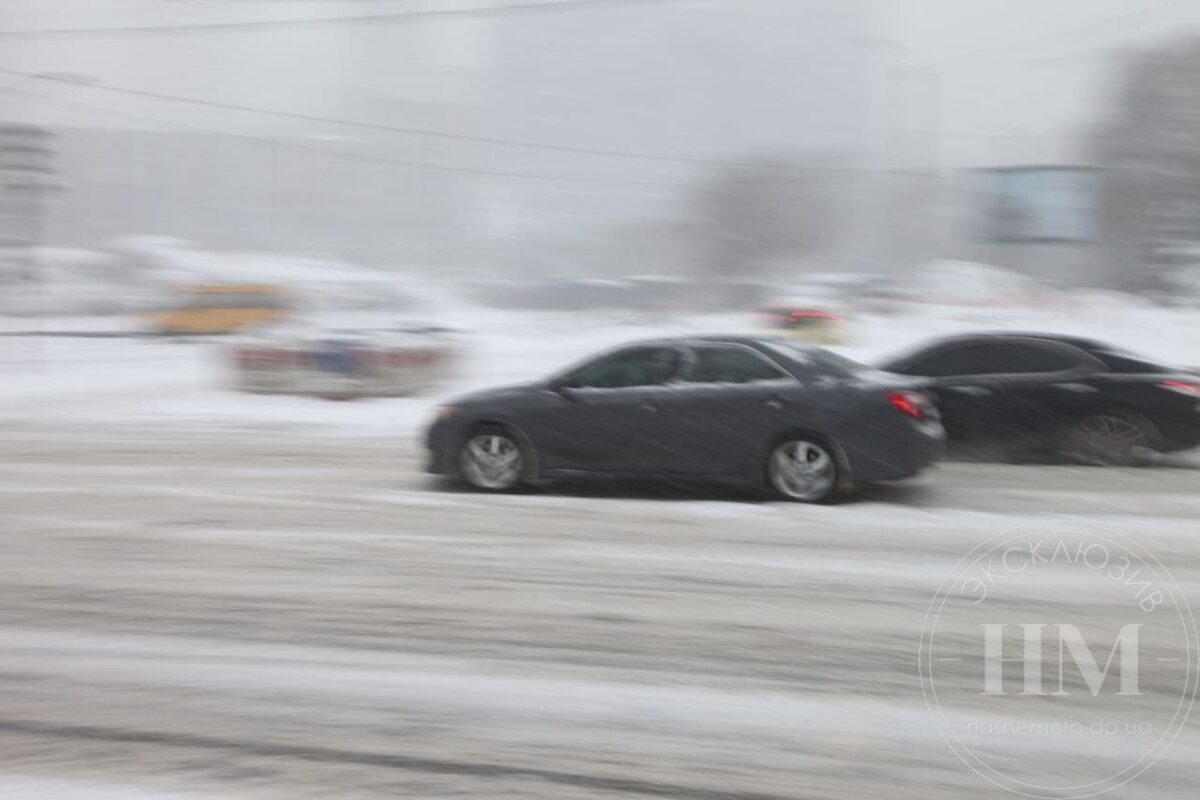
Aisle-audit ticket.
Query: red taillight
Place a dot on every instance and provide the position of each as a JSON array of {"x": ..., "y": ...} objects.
[
  {"x": 1183, "y": 387},
  {"x": 912, "y": 404}
]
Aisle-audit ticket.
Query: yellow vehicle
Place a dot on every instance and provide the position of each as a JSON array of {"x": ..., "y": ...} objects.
[
  {"x": 219, "y": 308},
  {"x": 813, "y": 325}
]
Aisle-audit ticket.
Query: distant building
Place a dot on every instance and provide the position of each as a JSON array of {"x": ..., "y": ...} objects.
[
  {"x": 287, "y": 176},
  {"x": 1042, "y": 220},
  {"x": 696, "y": 84},
  {"x": 27, "y": 182},
  {"x": 230, "y": 192}
]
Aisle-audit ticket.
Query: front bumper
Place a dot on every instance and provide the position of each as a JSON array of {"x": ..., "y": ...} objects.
[{"x": 438, "y": 443}]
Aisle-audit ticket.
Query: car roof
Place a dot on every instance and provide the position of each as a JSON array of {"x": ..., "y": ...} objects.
[
  {"x": 1077, "y": 341},
  {"x": 750, "y": 340},
  {"x": 1096, "y": 349},
  {"x": 776, "y": 347}
]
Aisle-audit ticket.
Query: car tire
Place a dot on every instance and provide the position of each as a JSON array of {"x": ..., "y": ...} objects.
[
  {"x": 491, "y": 458},
  {"x": 1116, "y": 438},
  {"x": 803, "y": 469}
]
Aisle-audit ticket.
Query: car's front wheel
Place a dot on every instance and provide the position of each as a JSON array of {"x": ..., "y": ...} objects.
[
  {"x": 491, "y": 459},
  {"x": 803, "y": 469}
]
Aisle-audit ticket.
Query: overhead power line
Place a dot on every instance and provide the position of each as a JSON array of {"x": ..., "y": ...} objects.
[
  {"x": 385, "y": 18},
  {"x": 365, "y": 157},
  {"x": 379, "y": 126}
]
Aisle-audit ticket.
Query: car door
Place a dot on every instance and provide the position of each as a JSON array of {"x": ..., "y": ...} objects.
[
  {"x": 1008, "y": 390},
  {"x": 1038, "y": 385},
  {"x": 726, "y": 406},
  {"x": 607, "y": 415}
]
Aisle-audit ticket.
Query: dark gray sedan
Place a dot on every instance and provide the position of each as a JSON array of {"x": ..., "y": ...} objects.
[{"x": 795, "y": 419}]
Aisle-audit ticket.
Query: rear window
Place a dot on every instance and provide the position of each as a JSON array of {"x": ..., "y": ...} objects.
[
  {"x": 818, "y": 361},
  {"x": 1130, "y": 364},
  {"x": 1122, "y": 361}
]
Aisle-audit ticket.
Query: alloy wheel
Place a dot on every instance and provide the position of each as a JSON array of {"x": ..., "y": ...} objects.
[
  {"x": 802, "y": 470},
  {"x": 491, "y": 461},
  {"x": 1111, "y": 439}
]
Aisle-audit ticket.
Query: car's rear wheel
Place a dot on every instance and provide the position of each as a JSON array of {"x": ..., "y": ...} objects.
[
  {"x": 491, "y": 459},
  {"x": 803, "y": 469},
  {"x": 1110, "y": 438}
]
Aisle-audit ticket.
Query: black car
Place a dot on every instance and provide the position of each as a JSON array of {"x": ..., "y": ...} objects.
[
  {"x": 1068, "y": 397},
  {"x": 799, "y": 420}
]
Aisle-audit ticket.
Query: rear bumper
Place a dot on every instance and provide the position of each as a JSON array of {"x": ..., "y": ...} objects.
[
  {"x": 1176, "y": 436},
  {"x": 923, "y": 445}
]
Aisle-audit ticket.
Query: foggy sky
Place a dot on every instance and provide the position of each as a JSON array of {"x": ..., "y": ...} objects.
[{"x": 1016, "y": 78}]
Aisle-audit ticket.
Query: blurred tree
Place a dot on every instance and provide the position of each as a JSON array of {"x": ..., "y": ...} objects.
[
  {"x": 1149, "y": 149},
  {"x": 27, "y": 183},
  {"x": 751, "y": 216}
]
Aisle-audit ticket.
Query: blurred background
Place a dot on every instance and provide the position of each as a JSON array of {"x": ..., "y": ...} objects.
[
  {"x": 533, "y": 143},
  {"x": 635, "y": 162},
  {"x": 218, "y": 215}
]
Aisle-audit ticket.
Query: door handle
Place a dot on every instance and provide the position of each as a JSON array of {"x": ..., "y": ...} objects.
[
  {"x": 774, "y": 402},
  {"x": 648, "y": 407},
  {"x": 973, "y": 391},
  {"x": 1080, "y": 388}
]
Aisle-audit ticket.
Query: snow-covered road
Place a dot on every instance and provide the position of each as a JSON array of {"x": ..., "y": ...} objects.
[{"x": 191, "y": 614}]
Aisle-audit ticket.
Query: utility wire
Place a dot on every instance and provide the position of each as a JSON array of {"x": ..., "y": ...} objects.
[
  {"x": 378, "y": 126},
  {"x": 278, "y": 142},
  {"x": 385, "y": 18},
  {"x": 522, "y": 9}
]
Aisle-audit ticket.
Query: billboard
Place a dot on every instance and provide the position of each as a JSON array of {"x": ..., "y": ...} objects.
[{"x": 1037, "y": 204}]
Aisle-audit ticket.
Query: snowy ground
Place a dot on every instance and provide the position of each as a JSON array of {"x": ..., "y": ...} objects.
[
  {"x": 207, "y": 595},
  {"x": 282, "y": 616}
]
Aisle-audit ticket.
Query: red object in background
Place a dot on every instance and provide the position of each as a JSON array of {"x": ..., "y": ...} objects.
[{"x": 803, "y": 314}]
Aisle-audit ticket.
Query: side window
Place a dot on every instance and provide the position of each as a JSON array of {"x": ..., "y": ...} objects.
[
  {"x": 961, "y": 360},
  {"x": 1001, "y": 358},
  {"x": 715, "y": 364},
  {"x": 640, "y": 366},
  {"x": 1053, "y": 357}
]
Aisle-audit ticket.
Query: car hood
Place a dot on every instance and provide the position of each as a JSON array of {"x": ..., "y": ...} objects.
[{"x": 493, "y": 395}]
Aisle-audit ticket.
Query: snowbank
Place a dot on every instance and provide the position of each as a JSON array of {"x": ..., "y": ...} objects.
[
  {"x": 186, "y": 385},
  {"x": 969, "y": 283}
]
